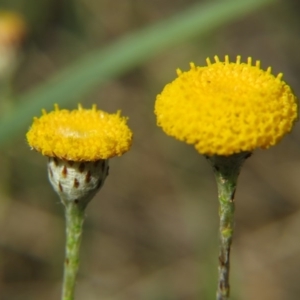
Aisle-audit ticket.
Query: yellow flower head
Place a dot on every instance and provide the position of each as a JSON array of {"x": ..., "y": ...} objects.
[
  {"x": 13, "y": 28},
  {"x": 80, "y": 135},
  {"x": 226, "y": 108}
]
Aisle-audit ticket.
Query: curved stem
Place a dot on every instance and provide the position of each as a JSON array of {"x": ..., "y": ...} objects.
[
  {"x": 74, "y": 221},
  {"x": 226, "y": 169}
]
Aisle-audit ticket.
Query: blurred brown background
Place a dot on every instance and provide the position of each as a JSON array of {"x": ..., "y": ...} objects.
[{"x": 151, "y": 233}]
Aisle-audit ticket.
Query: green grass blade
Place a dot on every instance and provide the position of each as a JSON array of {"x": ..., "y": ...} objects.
[{"x": 83, "y": 75}]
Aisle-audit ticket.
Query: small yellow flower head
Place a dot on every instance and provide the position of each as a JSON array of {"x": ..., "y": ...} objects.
[
  {"x": 226, "y": 108},
  {"x": 80, "y": 134},
  {"x": 13, "y": 28}
]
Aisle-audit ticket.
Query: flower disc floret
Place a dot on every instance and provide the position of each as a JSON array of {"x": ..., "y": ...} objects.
[
  {"x": 80, "y": 135},
  {"x": 226, "y": 108}
]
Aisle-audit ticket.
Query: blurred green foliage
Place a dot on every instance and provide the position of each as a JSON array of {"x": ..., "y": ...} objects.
[
  {"x": 77, "y": 79},
  {"x": 151, "y": 233}
]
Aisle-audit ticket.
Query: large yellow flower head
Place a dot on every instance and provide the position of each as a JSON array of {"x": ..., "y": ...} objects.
[
  {"x": 226, "y": 108},
  {"x": 80, "y": 134}
]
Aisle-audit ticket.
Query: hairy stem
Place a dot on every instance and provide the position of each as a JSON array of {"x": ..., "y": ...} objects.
[
  {"x": 226, "y": 169},
  {"x": 74, "y": 221}
]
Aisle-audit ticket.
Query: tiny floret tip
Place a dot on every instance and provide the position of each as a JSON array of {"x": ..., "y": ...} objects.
[
  {"x": 227, "y": 107},
  {"x": 80, "y": 134}
]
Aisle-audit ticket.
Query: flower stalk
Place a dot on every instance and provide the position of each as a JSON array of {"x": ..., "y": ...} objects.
[
  {"x": 226, "y": 170},
  {"x": 74, "y": 215},
  {"x": 78, "y": 144},
  {"x": 76, "y": 183},
  {"x": 226, "y": 110}
]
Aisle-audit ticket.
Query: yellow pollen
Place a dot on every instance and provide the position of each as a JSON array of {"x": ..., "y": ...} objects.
[
  {"x": 80, "y": 134},
  {"x": 227, "y": 107}
]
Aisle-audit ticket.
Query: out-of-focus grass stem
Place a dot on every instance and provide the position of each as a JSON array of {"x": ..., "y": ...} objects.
[{"x": 89, "y": 72}]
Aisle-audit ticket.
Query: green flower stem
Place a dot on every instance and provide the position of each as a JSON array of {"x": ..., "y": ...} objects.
[
  {"x": 226, "y": 169},
  {"x": 74, "y": 221}
]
